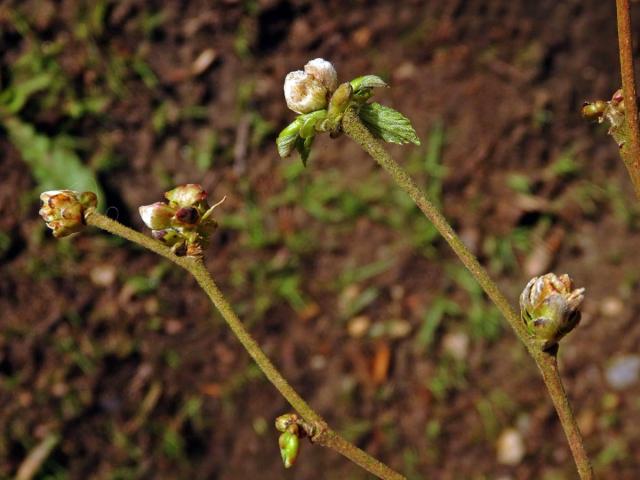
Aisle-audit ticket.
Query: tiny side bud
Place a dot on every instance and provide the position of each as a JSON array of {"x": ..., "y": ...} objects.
[{"x": 64, "y": 210}]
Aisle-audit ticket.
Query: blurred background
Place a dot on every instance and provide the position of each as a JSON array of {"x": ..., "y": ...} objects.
[{"x": 113, "y": 361}]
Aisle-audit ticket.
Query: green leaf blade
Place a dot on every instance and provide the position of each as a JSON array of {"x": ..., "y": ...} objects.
[
  {"x": 367, "y": 81},
  {"x": 287, "y": 138},
  {"x": 388, "y": 124}
]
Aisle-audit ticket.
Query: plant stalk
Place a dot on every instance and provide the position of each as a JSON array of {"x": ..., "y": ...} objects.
[
  {"x": 354, "y": 128},
  {"x": 323, "y": 435},
  {"x": 630, "y": 151},
  {"x": 548, "y": 365}
]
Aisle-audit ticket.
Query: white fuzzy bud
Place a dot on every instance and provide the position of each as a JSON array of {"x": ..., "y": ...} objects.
[
  {"x": 304, "y": 93},
  {"x": 324, "y": 72}
]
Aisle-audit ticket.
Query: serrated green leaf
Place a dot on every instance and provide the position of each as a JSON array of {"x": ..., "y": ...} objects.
[
  {"x": 53, "y": 163},
  {"x": 287, "y": 138},
  {"x": 388, "y": 124},
  {"x": 367, "y": 81}
]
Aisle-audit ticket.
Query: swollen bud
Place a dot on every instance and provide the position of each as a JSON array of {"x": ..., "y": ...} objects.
[
  {"x": 550, "y": 308},
  {"x": 324, "y": 72},
  {"x": 307, "y": 91},
  {"x": 337, "y": 106},
  {"x": 64, "y": 210},
  {"x": 289, "y": 444},
  {"x": 594, "y": 110},
  {"x": 304, "y": 93}
]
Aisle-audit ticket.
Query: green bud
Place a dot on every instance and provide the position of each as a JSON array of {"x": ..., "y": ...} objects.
[
  {"x": 550, "y": 308},
  {"x": 337, "y": 106},
  {"x": 64, "y": 210},
  {"x": 289, "y": 444},
  {"x": 594, "y": 110},
  {"x": 284, "y": 421},
  {"x": 340, "y": 99}
]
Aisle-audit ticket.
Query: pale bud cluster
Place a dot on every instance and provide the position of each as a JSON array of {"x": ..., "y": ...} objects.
[
  {"x": 612, "y": 111},
  {"x": 550, "y": 307},
  {"x": 185, "y": 222},
  {"x": 309, "y": 90},
  {"x": 64, "y": 210}
]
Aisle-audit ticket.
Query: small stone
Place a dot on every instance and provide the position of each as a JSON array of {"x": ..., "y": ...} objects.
[
  {"x": 318, "y": 362},
  {"x": 510, "y": 447},
  {"x": 405, "y": 71},
  {"x": 623, "y": 372},
  {"x": 203, "y": 61},
  {"x": 611, "y": 307},
  {"x": 173, "y": 327},
  {"x": 358, "y": 326},
  {"x": 456, "y": 344},
  {"x": 398, "y": 328},
  {"x": 362, "y": 36},
  {"x": 587, "y": 421},
  {"x": 103, "y": 275}
]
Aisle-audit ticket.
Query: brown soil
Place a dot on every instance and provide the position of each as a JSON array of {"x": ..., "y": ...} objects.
[{"x": 138, "y": 381}]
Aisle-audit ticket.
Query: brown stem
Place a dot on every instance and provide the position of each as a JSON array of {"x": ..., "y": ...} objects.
[
  {"x": 324, "y": 435},
  {"x": 630, "y": 151},
  {"x": 354, "y": 128}
]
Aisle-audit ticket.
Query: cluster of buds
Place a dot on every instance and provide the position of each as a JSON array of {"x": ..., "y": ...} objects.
[
  {"x": 612, "y": 111},
  {"x": 314, "y": 93},
  {"x": 64, "y": 210},
  {"x": 185, "y": 223},
  {"x": 550, "y": 308},
  {"x": 293, "y": 428}
]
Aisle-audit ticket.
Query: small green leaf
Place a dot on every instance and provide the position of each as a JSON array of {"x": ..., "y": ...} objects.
[
  {"x": 309, "y": 121},
  {"x": 367, "y": 81},
  {"x": 287, "y": 138},
  {"x": 388, "y": 124},
  {"x": 303, "y": 145}
]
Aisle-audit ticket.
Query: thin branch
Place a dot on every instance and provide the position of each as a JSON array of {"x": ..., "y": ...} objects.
[
  {"x": 323, "y": 435},
  {"x": 630, "y": 151},
  {"x": 548, "y": 364},
  {"x": 354, "y": 128}
]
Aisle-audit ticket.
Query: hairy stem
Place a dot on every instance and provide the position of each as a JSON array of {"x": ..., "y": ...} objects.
[
  {"x": 630, "y": 151},
  {"x": 354, "y": 128},
  {"x": 548, "y": 364},
  {"x": 323, "y": 435}
]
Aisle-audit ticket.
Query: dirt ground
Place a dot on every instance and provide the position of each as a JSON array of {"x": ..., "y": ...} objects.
[{"x": 118, "y": 355}]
